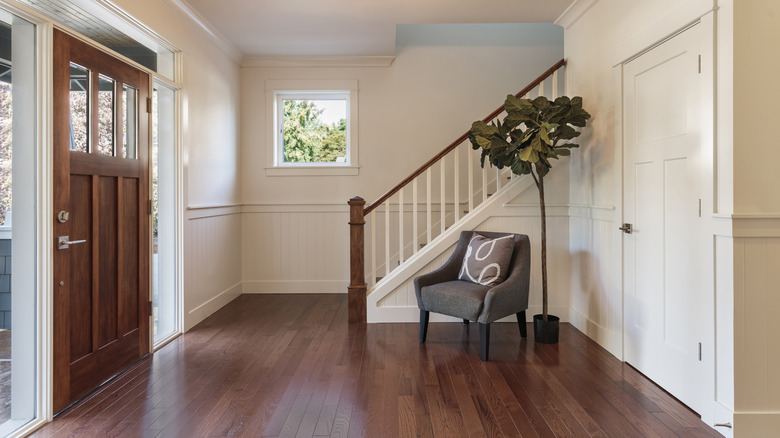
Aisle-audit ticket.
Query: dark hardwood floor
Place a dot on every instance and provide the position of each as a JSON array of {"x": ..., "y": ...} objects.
[{"x": 290, "y": 365}]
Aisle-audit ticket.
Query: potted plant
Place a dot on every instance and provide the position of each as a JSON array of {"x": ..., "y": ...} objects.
[{"x": 533, "y": 132}]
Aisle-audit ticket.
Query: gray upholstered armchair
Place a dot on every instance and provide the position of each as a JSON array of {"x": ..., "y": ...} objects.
[{"x": 442, "y": 292}]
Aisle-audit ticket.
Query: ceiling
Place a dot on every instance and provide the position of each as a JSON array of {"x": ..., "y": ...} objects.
[{"x": 353, "y": 27}]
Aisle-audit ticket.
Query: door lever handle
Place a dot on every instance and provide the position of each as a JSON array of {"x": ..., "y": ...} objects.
[
  {"x": 64, "y": 243},
  {"x": 626, "y": 228}
]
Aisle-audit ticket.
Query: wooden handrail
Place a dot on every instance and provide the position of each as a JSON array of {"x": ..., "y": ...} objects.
[{"x": 459, "y": 140}]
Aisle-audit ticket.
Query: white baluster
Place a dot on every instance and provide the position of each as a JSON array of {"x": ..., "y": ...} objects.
[
  {"x": 471, "y": 178},
  {"x": 441, "y": 194},
  {"x": 498, "y": 179},
  {"x": 555, "y": 85},
  {"x": 401, "y": 226},
  {"x": 484, "y": 184},
  {"x": 415, "y": 243},
  {"x": 456, "y": 194},
  {"x": 373, "y": 248},
  {"x": 541, "y": 88},
  {"x": 387, "y": 237},
  {"x": 428, "y": 212}
]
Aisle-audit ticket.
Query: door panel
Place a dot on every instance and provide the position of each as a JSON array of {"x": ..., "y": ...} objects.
[
  {"x": 101, "y": 322},
  {"x": 664, "y": 318}
]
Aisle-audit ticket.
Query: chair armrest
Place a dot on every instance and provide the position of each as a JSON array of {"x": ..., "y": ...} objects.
[
  {"x": 447, "y": 272},
  {"x": 511, "y": 296}
]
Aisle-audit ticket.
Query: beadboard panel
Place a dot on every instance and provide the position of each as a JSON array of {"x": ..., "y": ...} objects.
[
  {"x": 724, "y": 321},
  {"x": 596, "y": 300},
  {"x": 756, "y": 325},
  {"x": 212, "y": 251},
  {"x": 401, "y": 304},
  {"x": 295, "y": 250}
]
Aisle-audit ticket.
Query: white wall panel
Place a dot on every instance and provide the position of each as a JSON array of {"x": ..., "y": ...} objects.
[
  {"x": 295, "y": 249},
  {"x": 596, "y": 306},
  {"x": 724, "y": 321},
  {"x": 212, "y": 254}
]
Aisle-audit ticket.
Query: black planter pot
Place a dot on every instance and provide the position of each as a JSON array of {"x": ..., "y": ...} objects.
[{"x": 546, "y": 332}]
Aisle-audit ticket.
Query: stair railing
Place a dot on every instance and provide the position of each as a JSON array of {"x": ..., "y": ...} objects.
[{"x": 402, "y": 242}]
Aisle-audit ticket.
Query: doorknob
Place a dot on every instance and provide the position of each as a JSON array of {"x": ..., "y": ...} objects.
[
  {"x": 64, "y": 243},
  {"x": 626, "y": 228}
]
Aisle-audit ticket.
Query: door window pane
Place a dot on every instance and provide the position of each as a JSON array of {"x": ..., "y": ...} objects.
[
  {"x": 79, "y": 108},
  {"x": 106, "y": 88},
  {"x": 129, "y": 122}
]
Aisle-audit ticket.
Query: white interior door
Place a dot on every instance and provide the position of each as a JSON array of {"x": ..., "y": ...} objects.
[{"x": 664, "y": 296}]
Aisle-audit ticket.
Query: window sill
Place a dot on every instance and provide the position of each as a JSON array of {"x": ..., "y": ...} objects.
[{"x": 312, "y": 171}]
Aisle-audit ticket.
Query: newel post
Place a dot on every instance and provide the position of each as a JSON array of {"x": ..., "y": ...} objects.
[{"x": 357, "y": 278}]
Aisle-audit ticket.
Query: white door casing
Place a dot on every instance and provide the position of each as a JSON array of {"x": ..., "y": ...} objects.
[{"x": 664, "y": 257}]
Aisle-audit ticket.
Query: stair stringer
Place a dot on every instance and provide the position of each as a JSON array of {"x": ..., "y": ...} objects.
[{"x": 412, "y": 266}]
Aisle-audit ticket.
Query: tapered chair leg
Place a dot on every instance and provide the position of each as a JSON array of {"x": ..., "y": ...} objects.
[
  {"x": 521, "y": 323},
  {"x": 466, "y": 321},
  {"x": 423, "y": 325},
  {"x": 484, "y": 341}
]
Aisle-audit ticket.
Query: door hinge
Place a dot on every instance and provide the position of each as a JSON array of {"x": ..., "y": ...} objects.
[
  {"x": 699, "y": 351},
  {"x": 150, "y": 207},
  {"x": 149, "y": 104},
  {"x": 150, "y": 308},
  {"x": 699, "y": 207},
  {"x": 699, "y": 64}
]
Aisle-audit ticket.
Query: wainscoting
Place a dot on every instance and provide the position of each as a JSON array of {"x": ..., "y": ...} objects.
[
  {"x": 756, "y": 324},
  {"x": 212, "y": 261},
  {"x": 596, "y": 299},
  {"x": 295, "y": 249}
]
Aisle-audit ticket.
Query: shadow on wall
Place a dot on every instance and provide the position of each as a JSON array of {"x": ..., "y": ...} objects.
[{"x": 590, "y": 298}]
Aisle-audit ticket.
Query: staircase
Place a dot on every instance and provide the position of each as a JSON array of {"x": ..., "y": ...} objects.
[{"x": 419, "y": 220}]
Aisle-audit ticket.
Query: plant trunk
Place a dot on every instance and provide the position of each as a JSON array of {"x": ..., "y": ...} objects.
[{"x": 544, "y": 246}]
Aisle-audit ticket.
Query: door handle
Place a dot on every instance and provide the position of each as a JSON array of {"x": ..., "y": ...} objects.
[
  {"x": 626, "y": 228},
  {"x": 64, "y": 243}
]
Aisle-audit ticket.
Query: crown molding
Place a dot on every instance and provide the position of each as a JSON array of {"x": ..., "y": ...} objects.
[
  {"x": 317, "y": 61},
  {"x": 200, "y": 24},
  {"x": 574, "y": 12}
]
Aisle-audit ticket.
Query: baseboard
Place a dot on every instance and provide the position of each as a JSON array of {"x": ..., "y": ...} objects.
[
  {"x": 412, "y": 314},
  {"x": 756, "y": 424},
  {"x": 611, "y": 342},
  {"x": 296, "y": 287},
  {"x": 198, "y": 314}
]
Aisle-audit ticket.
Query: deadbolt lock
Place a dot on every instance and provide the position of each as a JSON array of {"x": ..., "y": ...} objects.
[{"x": 63, "y": 216}]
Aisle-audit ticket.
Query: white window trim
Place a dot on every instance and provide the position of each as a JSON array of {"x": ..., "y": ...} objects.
[{"x": 277, "y": 88}]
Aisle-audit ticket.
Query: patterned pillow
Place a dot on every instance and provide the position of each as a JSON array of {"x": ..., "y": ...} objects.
[{"x": 487, "y": 259}]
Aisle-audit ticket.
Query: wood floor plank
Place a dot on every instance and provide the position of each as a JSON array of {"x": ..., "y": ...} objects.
[{"x": 275, "y": 365}]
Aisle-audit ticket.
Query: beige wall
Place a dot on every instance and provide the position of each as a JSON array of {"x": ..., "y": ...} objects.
[
  {"x": 210, "y": 109},
  {"x": 443, "y": 78},
  {"x": 756, "y": 91},
  {"x": 210, "y": 154}
]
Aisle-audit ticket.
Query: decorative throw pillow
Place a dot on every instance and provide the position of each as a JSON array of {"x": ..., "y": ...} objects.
[{"x": 487, "y": 259}]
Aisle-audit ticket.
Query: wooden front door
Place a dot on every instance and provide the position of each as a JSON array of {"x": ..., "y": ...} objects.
[{"x": 101, "y": 228}]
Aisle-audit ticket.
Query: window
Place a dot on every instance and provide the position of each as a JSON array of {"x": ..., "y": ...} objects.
[
  {"x": 164, "y": 206},
  {"x": 313, "y": 127},
  {"x": 20, "y": 290}
]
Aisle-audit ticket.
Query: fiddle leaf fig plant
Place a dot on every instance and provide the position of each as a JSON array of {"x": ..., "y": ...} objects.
[{"x": 534, "y": 132}]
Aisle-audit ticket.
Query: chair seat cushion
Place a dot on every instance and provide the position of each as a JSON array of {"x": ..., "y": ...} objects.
[{"x": 458, "y": 298}]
